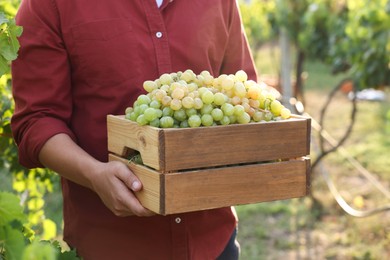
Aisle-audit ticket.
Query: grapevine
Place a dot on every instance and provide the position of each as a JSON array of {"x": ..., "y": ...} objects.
[{"x": 184, "y": 99}]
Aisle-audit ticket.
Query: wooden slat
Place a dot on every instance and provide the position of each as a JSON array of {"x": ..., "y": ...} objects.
[
  {"x": 228, "y": 186},
  {"x": 180, "y": 192},
  {"x": 190, "y": 148},
  {"x": 224, "y": 145},
  {"x": 151, "y": 194},
  {"x": 123, "y": 134}
]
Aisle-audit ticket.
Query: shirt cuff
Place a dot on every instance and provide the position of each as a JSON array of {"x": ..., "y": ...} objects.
[{"x": 36, "y": 136}]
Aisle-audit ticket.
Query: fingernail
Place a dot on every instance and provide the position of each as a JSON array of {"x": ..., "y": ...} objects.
[{"x": 135, "y": 185}]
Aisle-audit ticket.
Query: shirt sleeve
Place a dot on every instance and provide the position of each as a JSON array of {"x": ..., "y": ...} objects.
[
  {"x": 40, "y": 81},
  {"x": 238, "y": 53}
]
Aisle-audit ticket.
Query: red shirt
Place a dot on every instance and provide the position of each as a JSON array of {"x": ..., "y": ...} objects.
[{"x": 81, "y": 60}]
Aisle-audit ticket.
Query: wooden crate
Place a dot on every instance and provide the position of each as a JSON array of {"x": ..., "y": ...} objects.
[
  {"x": 209, "y": 167},
  {"x": 192, "y": 148}
]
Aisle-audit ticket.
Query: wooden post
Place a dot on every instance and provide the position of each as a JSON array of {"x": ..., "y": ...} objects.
[{"x": 286, "y": 86}]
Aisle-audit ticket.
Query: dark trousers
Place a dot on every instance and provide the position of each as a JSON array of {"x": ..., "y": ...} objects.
[{"x": 232, "y": 249}]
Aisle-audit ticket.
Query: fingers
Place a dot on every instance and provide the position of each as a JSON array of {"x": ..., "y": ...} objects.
[
  {"x": 128, "y": 205},
  {"x": 125, "y": 202},
  {"x": 129, "y": 178}
]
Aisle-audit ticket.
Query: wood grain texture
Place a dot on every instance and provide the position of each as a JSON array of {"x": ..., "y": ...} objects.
[
  {"x": 193, "y": 190},
  {"x": 191, "y": 148}
]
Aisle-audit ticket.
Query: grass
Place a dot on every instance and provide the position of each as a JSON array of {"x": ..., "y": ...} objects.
[{"x": 315, "y": 227}]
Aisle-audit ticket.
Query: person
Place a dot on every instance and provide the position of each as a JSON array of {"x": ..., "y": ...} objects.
[{"x": 82, "y": 60}]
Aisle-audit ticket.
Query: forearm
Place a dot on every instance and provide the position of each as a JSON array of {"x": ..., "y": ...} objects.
[{"x": 65, "y": 157}]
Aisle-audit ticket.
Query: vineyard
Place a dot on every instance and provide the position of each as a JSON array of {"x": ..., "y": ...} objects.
[{"x": 332, "y": 43}]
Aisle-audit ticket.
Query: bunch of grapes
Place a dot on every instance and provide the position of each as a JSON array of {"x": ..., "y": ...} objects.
[{"x": 184, "y": 99}]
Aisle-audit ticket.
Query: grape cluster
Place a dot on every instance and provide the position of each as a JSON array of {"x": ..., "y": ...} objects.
[{"x": 184, "y": 99}]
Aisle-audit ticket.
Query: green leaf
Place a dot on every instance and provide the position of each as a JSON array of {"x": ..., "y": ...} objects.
[
  {"x": 9, "y": 42},
  {"x": 10, "y": 209},
  {"x": 68, "y": 255},
  {"x": 39, "y": 251},
  {"x": 14, "y": 242},
  {"x": 4, "y": 66},
  {"x": 7, "y": 47}
]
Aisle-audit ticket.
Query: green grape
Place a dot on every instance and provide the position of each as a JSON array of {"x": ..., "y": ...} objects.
[
  {"x": 207, "y": 97},
  {"x": 233, "y": 119},
  {"x": 133, "y": 116},
  {"x": 241, "y": 75},
  {"x": 254, "y": 103},
  {"x": 129, "y": 110},
  {"x": 187, "y": 76},
  {"x": 167, "y": 111},
  {"x": 159, "y": 94},
  {"x": 219, "y": 98},
  {"x": 239, "y": 110},
  {"x": 285, "y": 113},
  {"x": 268, "y": 116},
  {"x": 254, "y": 92},
  {"x": 184, "y": 99},
  {"x": 155, "y": 104},
  {"x": 244, "y": 118},
  {"x": 239, "y": 89},
  {"x": 198, "y": 103},
  {"x": 175, "y": 76},
  {"x": 207, "y": 120},
  {"x": 165, "y": 88},
  {"x": 191, "y": 111},
  {"x": 192, "y": 87},
  {"x": 194, "y": 121},
  {"x": 143, "y": 99},
  {"x": 155, "y": 122},
  {"x": 235, "y": 100},
  {"x": 217, "y": 114},
  {"x": 227, "y": 109},
  {"x": 258, "y": 116},
  {"x": 166, "y": 101},
  {"x": 149, "y": 85},
  {"x": 177, "y": 93},
  {"x": 150, "y": 114},
  {"x": 202, "y": 90},
  {"x": 188, "y": 102},
  {"x": 142, "y": 108},
  {"x": 159, "y": 112},
  {"x": 176, "y": 104},
  {"x": 166, "y": 122},
  {"x": 180, "y": 115},
  {"x": 227, "y": 83},
  {"x": 225, "y": 120},
  {"x": 208, "y": 80},
  {"x": 276, "y": 107},
  {"x": 184, "y": 124},
  {"x": 141, "y": 120},
  {"x": 166, "y": 79},
  {"x": 127, "y": 116},
  {"x": 206, "y": 109}
]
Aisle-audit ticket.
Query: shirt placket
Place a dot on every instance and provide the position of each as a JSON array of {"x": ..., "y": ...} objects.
[
  {"x": 179, "y": 238},
  {"x": 159, "y": 36}
]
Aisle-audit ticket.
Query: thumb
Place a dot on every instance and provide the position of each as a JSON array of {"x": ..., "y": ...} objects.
[{"x": 129, "y": 178}]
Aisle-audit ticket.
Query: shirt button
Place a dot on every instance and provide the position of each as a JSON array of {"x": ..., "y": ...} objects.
[
  {"x": 159, "y": 34},
  {"x": 177, "y": 220}
]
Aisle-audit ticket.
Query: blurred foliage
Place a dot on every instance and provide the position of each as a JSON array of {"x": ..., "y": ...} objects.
[
  {"x": 23, "y": 225},
  {"x": 351, "y": 35}
]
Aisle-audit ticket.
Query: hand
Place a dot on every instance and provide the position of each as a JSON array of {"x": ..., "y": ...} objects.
[{"x": 115, "y": 184}]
